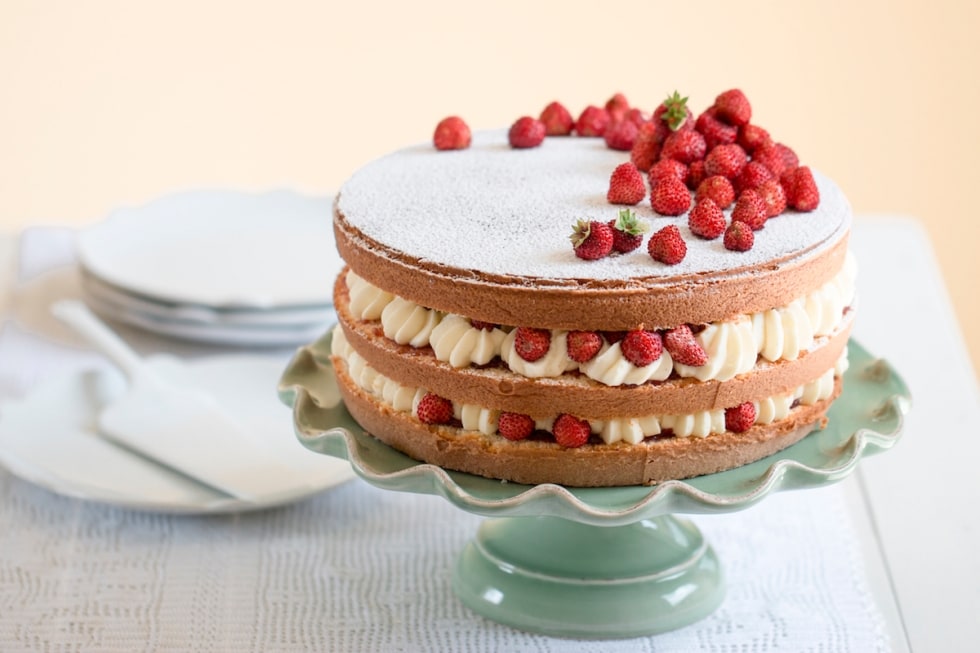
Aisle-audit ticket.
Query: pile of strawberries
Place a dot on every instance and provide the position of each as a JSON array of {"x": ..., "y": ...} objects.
[{"x": 700, "y": 166}]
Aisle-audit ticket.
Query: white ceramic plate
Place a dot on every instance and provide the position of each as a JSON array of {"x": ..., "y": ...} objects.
[
  {"x": 205, "y": 315},
  {"x": 216, "y": 334},
  {"x": 48, "y": 438},
  {"x": 221, "y": 249}
]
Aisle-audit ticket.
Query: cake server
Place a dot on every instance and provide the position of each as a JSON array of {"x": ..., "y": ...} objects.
[{"x": 182, "y": 428}]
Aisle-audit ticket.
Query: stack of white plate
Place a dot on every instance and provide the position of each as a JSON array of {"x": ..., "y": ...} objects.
[{"x": 221, "y": 267}]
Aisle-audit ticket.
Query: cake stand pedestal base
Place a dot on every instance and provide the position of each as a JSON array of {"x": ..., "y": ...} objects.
[{"x": 559, "y": 577}]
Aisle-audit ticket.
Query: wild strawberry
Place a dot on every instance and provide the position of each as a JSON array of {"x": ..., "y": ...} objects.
[
  {"x": 433, "y": 409},
  {"x": 715, "y": 132},
  {"x": 628, "y": 231},
  {"x": 672, "y": 115},
  {"x": 706, "y": 219},
  {"x": 612, "y": 337},
  {"x": 717, "y": 188},
  {"x": 621, "y": 135},
  {"x": 638, "y": 116},
  {"x": 526, "y": 132},
  {"x": 667, "y": 246},
  {"x": 685, "y": 146},
  {"x": 515, "y": 426},
  {"x": 667, "y": 168},
  {"x": 683, "y": 347},
  {"x": 733, "y": 107},
  {"x": 739, "y": 237},
  {"x": 670, "y": 196},
  {"x": 592, "y": 121},
  {"x": 777, "y": 157},
  {"x": 725, "y": 160},
  {"x": 802, "y": 193},
  {"x": 750, "y": 209},
  {"x": 483, "y": 326},
  {"x": 751, "y": 137},
  {"x": 583, "y": 345},
  {"x": 531, "y": 344},
  {"x": 570, "y": 431},
  {"x": 739, "y": 419},
  {"x": 695, "y": 174},
  {"x": 752, "y": 176},
  {"x": 626, "y": 185},
  {"x": 451, "y": 134},
  {"x": 774, "y": 196},
  {"x": 557, "y": 120},
  {"x": 591, "y": 240},
  {"x": 642, "y": 347},
  {"x": 790, "y": 160},
  {"x": 617, "y": 106},
  {"x": 646, "y": 148}
]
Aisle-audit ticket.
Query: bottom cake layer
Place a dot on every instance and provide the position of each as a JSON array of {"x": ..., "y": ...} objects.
[{"x": 651, "y": 461}]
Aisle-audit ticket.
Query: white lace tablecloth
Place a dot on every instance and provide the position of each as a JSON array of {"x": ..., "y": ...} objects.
[{"x": 357, "y": 568}]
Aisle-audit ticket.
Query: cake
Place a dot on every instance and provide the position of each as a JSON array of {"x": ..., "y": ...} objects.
[{"x": 455, "y": 259}]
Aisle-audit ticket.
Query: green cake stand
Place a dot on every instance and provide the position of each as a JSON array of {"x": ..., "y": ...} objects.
[{"x": 598, "y": 563}]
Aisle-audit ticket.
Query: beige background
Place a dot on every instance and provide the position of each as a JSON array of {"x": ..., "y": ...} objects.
[{"x": 111, "y": 103}]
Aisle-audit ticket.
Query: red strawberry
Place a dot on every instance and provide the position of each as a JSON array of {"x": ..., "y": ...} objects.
[
  {"x": 591, "y": 240},
  {"x": 626, "y": 185},
  {"x": 717, "y": 188},
  {"x": 670, "y": 196},
  {"x": 641, "y": 347},
  {"x": 667, "y": 168},
  {"x": 433, "y": 409},
  {"x": 801, "y": 189},
  {"x": 725, "y": 160},
  {"x": 733, "y": 107},
  {"x": 751, "y": 137},
  {"x": 685, "y": 146},
  {"x": 706, "y": 219},
  {"x": 592, "y": 121},
  {"x": 570, "y": 431},
  {"x": 739, "y": 419},
  {"x": 526, "y": 132},
  {"x": 557, "y": 120},
  {"x": 777, "y": 157},
  {"x": 612, "y": 337},
  {"x": 750, "y": 209},
  {"x": 774, "y": 196},
  {"x": 451, "y": 134},
  {"x": 627, "y": 231},
  {"x": 790, "y": 160},
  {"x": 515, "y": 426},
  {"x": 752, "y": 176},
  {"x": 638, "y": 116},
  {"x": 646, "y": 148},
  {"x": 621, "y": 135},
  {"x": 715, "y": 132},
  {"x": 617, "y": 106},
  {"x": 485, "y": 326},
  {"x": 667, "y": 246},
  {"x": 671, "y": 115},
  {"x": 695, "y": 174},
  {"x": 583, "y": 345},
  {"x": 739, "y": 237},
  {"x": 531, "y": 344},
  {"x": 683, "y": 347}
]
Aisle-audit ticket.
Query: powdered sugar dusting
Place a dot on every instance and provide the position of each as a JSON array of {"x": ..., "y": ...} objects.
[{"x": 501, "y": 211}]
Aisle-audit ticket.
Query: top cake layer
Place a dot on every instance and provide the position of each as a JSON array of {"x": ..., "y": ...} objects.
[{"x": 483, "y": 232}]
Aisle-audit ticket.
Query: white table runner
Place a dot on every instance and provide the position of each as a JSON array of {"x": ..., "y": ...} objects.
[{"x": 360, "y": 569}]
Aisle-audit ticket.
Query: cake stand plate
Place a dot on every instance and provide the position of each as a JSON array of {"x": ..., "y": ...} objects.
[{"x": 599, "y": 562}]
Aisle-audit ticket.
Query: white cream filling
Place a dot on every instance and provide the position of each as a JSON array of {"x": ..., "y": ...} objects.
[
  {"x": 732, "y": 346},
  {"x": 631, "y": 430}
]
